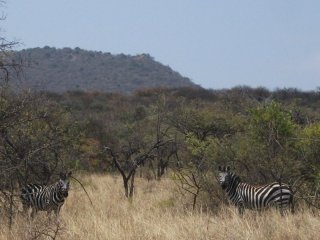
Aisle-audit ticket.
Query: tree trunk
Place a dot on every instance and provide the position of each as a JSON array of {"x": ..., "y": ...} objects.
[
  {"x": 132, "y": 185},
  {"x": 10, "y": 212},
  {"x": 195, "y": 196},
  {"x": 126, "y": 186},
  {"x": 162, "y": 165}
]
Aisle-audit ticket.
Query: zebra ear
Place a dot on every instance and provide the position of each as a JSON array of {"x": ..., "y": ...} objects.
[
  {"x": 228, "y": 168},
  {"x": 62, "y": 176}
]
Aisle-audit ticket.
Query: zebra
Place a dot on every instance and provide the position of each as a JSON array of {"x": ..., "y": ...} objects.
[
  {"x": 244, "y": 195},
  {"x": 46, "y": 197}
]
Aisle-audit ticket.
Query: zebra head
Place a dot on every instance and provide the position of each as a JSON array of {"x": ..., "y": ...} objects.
[
  {"x": 224, "y": 176},
  {"x": 64, "y": 183}
]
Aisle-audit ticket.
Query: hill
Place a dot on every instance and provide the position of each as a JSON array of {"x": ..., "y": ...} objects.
[{"x": 60, "y": 70}]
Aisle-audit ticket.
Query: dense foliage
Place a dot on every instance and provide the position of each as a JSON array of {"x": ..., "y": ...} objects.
[
  {"x": 264, "y": 136},
  {"x": 182, "y": 133}
]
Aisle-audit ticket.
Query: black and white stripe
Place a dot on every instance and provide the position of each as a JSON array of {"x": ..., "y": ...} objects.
[
  {"x": 46, "y": 198},
  {"x": 244, "y": 195}
]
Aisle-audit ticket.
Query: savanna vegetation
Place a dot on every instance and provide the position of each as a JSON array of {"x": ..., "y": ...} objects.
[
  {"x": 148, "y": 160},
  {"x": 156, "y": 153},
  {"x": 186, "y": 133},
  {"x": 156, "y": 212}
]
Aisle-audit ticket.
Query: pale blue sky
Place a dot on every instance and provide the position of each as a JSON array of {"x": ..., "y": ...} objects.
[{"x": 217, "y": 44}]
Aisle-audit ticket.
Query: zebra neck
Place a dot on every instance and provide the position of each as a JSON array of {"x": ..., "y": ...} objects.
[
  {"x": 233, "y": 185},
  {"x": 60, "y": 196}
]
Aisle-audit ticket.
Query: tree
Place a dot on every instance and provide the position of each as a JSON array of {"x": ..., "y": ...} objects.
[
  {"x": 133, "y": 158},
  {"x": 140, "y": 140},
  {"x": 37, "y": 139},
  {"x": 309, "y": 145},
  {"x": 273, "y": 133},
  {"x": 7, "y": 65},
  {"x": 203, "y": 132}
]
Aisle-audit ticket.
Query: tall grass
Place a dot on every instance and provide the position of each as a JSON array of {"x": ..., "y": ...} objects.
[{"x": 156, "y": 212}]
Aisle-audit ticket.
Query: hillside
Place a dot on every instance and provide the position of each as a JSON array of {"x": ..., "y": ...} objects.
[{"x": 60, "y": 70}]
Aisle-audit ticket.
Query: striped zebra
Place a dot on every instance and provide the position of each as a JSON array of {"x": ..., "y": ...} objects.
[
  {"x": 244, "y": 195},
  {"x": 45, "y": 198}
]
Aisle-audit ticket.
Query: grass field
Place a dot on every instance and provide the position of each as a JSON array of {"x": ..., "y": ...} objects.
[{"x": 155, "y": 213}]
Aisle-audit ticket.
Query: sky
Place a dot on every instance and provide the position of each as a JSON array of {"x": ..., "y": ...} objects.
[{"x": 217, "y": 44}]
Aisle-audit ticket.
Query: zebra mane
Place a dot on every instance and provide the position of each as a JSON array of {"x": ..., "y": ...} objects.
[{"x": 235, "y": 177}]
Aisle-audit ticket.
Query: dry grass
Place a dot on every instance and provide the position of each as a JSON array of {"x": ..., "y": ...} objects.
[{"x": 156, "y": 213}]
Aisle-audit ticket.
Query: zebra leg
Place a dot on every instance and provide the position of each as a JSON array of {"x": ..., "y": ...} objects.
[
  {"x": 281, "y": 211},
  {"x": 26, "y": 212},
  {"x": 25, "y": 209},
  {"x": 291, "y": 205},
  {"x": 241, "y": 209},
  {"x": 57, "y": 211},
  {"x": 259, "y": 210},
  {"x": 49, "y": 213},
  {"x": 33, "y": 212}
]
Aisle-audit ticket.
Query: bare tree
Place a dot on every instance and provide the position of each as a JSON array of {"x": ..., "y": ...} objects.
[
  {"x": 8, "y": 66},
  {"x": 128, "y": 160}
]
